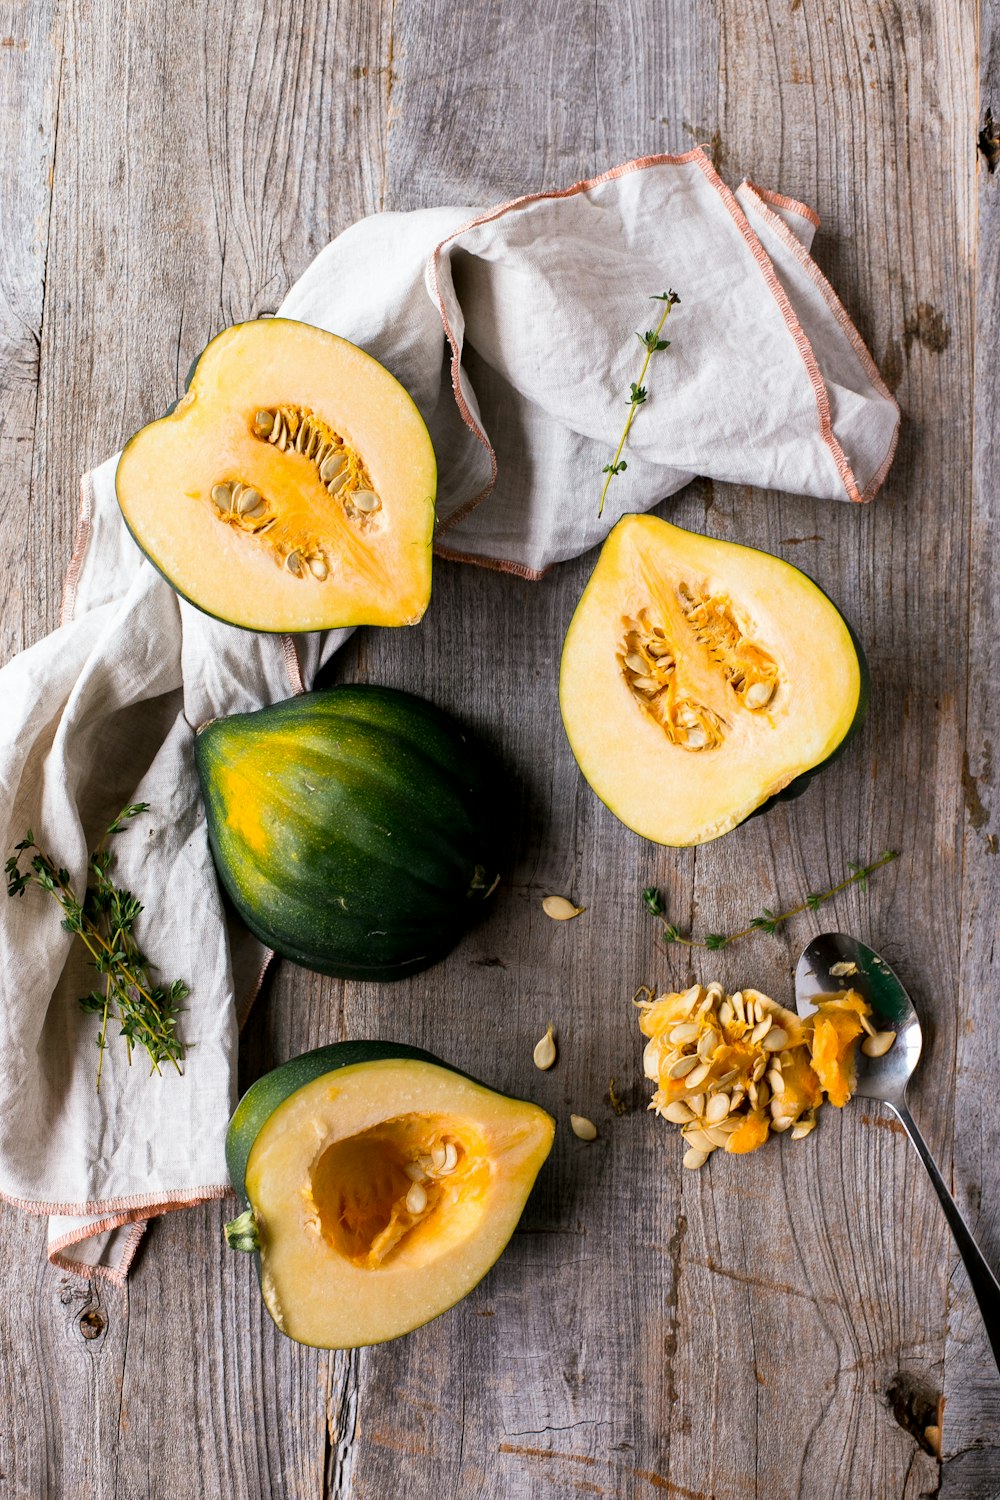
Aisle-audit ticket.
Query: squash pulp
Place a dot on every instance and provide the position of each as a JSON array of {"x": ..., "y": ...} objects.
[
  {"x": 700, "y": 679},
  {"x": 291, "y": 488},
  {"x": 382, "y": 1186}
]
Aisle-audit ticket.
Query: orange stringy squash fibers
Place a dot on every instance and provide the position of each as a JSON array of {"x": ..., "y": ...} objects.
[{"x": 732, "y": 1069}]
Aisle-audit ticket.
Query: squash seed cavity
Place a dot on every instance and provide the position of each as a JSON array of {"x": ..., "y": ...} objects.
[{"x": 652, "y": 662}]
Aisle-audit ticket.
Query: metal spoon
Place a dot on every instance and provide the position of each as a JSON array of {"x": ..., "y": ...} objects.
[{"x": 886, "y": 1078}]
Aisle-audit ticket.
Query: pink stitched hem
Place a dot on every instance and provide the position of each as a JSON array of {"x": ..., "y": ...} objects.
[
  {"x": 243, "y": 1014},
  {"x": 781, "y": 200},
  {"x": 292, "y": 664},
  {"x": 80, "y": 544},
  {"x": 846, "y": 324},
  {"x": 496, "y": 564},
  {"x": 639, "y": 164},
  {"x": 795, "y": 328},
  {"x": 150, "y": 1204},
  {"x": 117, "y": 1275}
]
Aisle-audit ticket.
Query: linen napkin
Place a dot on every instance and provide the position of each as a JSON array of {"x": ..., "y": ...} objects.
[{"x": 513, "y": 331}]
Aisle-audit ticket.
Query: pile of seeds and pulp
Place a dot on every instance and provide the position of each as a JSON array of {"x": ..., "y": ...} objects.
[{"x": 732, "y": 1069}]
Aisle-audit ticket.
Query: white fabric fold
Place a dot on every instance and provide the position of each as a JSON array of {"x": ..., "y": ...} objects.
[{"x": 514, "y": 330}]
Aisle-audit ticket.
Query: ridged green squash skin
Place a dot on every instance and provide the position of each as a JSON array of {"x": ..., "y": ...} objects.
[
  {"x": 356, "y": 829},
  {"x": 264, "y": 1097}
]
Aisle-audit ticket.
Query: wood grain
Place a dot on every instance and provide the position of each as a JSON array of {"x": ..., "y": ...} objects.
[{"x": 777, "y": 1329}]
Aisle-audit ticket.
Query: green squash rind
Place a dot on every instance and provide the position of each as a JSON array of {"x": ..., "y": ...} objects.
[{"x": 442, "y": 838}]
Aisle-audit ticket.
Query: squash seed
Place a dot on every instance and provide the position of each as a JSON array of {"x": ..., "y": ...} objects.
[
  {"x": 726, "y": 1014},
  {"x": 717, "y": 1136},
  {"x": 582, "y": 1128},
  {"x": 683, "y": 1066},
  {"x": 450, "y": 1159},
  {"x": 717, "y": 1108},
  {"x": 776, "y": 1081},
  {"x": 560, "y": 909},
  {"x": 759, "y": 694},
  {"x": 365, "y": 501},
  {"x": 635, "y": 663},
  {"x": 544, "y": 1054},
  {"x": 414, "y": 1171},
  {"x": 775, "y": 1040},
  {"x": 779, "y": 1125},
  {"x": 802, "y": 1128},
  {"x": 318, "y": 568},
  {"x": 879, "y": 1044},
  {"x": 678, "y": 1113},
  {"x": 438, "y": 1153},
  {"x": 696, "y": 1102},
  {"x": 263, "y": 422},
  {"x": 250, "y": 502},
  {"x": 293, "y": 562},
  {"x": 416, "y": 1199},
  {"x": 707, "y": 1044},
  {"x": 222, "y": 495},
  {"x": 336, "y": 484},
  {"x": 331, "y": 466},
  {"x": 687, "y": 1031},
  {"x": 694, "y": 1159},
  {"x": 761, "y": 1029},
  {"x": 700, "y": 1140},
  {"x": 697, "y": 1077}
]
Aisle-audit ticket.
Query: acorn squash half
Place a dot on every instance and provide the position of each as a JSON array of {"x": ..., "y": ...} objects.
[
  {"x": 380, "y": 1186},
  {"x": 701, "y": 679},
  {"x": 291, "y": 488}
]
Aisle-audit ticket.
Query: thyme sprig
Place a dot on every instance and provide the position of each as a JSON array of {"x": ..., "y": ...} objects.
[
  {"x": 105, "y": 921},
  {"x": 652, "y": 343},
  {"x": 769, "y": 921}
]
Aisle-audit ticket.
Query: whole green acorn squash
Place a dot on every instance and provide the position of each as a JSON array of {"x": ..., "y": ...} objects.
[{"x": 356, "y": 829}]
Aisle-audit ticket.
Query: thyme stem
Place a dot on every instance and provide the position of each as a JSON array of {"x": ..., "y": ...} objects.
[
  {"x": 652, "y": 343},
  {"x": 769, "y": 921}
]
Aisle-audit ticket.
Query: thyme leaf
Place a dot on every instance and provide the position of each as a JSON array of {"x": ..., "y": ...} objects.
[{"x": 638, "y": 392}]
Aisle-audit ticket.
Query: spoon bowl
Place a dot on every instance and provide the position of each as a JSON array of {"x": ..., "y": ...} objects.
[{"x": 835, "y": 962}]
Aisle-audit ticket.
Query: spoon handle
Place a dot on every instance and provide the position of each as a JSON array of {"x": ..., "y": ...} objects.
[{"x": 982, "y": 1279}]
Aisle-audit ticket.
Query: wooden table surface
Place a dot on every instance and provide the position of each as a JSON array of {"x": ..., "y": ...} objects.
[{"x": 782, "y": 1326}]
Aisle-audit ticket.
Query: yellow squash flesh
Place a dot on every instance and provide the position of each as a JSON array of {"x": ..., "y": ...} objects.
[
  {"x": 299, "y": 557},
  {"x": 344, "y": 1260},
  {"x": 699, "y": 678}
]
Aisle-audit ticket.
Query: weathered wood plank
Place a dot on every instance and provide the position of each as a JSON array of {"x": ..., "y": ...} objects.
[
  {"x": 971, "y": 1469},
  {"x": 725, "y": 1335}
]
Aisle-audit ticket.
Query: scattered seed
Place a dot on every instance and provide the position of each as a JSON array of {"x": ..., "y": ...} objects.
[
  {"x": 697, "y": 1137},
  {"x": 560, "y": 909},
  {"x": 802, "y": 1128},
  {"x": 678, "y": 1113},
  {"x": 318, "y": 568},
  {"x": 726, "y": 1015},
  {"x": 414, "y": 1171},
  {"x": 635, "y": 663},
  {"x": 696, "y": 1102},
  {"x": 683, "y": 1066},
  {"x": 717, "y": 1135},
  {"x": 263, "y": 423},
  {"x": 761, "y": 1029},
  {"x": 780, "y": 1125},
  {"x": 544, "y": 1054},
  {"x": 841, "y": 970},
  {"x": 698, "y": 1075},
  {"x": 584, "y": 1129},
  {"x": 758, "y": 1070},
  {"x": 222, "y": 495},
  {"x": 775, "y": 1040},
  {"x": 707, "y": 1045},
  {"x": 416, "y": 1199},
  {"x": 725, "y": 1080},
  {"x": 736, "y": 1001},
  {"x": 694, "y": 1159},
  {"x": 867, "y": 1025},
  {"x": 879, "y": 1044},
  {"x": 776, "y": 1081}
]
